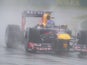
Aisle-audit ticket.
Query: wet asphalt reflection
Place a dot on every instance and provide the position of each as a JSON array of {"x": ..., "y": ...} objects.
[{"x": 18, "y": 56}]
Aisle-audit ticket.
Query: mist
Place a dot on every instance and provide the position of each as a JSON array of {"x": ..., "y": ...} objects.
[{"x": 11, "y": 13}]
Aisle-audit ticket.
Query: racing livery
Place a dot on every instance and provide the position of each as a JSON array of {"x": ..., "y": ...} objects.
[{"x": 46, "y": 36}]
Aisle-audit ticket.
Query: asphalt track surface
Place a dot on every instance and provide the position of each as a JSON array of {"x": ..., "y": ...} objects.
[{"x": 19, "y": 56}]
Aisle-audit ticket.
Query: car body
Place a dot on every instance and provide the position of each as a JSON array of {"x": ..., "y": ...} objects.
[{"x": 45, "y": 36}]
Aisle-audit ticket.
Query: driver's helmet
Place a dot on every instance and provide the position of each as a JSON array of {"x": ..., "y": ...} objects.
[{"x": 50, "y": 23}]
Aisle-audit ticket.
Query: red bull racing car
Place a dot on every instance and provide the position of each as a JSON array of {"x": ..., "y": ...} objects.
[
  {"x": 41, "y": 33},
  {"x": 46, "y": 36}
]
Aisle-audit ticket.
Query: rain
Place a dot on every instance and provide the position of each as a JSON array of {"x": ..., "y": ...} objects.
[{"x": 65, "y": 12}]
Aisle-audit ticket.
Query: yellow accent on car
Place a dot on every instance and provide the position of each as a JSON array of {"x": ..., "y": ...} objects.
[{"x": 64, "y": 36}]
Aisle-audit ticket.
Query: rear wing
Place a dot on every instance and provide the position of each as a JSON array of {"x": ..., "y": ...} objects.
[{"x": 34, "y": 13}]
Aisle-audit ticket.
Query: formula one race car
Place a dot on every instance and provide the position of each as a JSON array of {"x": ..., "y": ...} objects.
[{"x": 46, "y": 36}]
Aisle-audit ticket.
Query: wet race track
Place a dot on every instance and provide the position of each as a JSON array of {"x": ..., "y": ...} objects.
[
  {"x": 65, "y": 12},
  {"x": 18, "y": 56}
]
